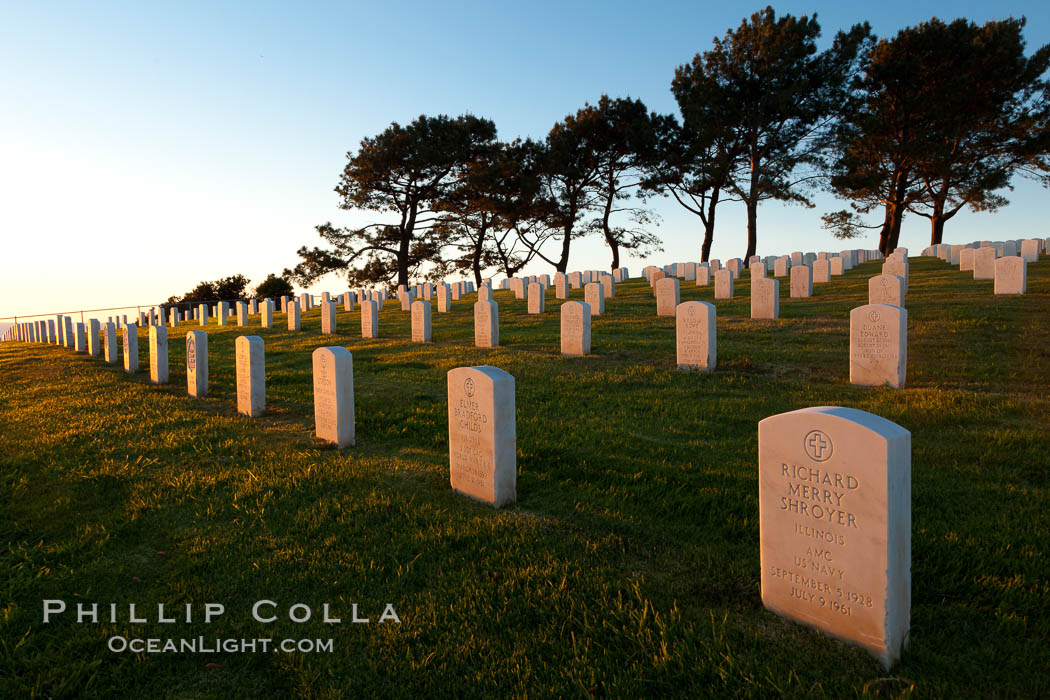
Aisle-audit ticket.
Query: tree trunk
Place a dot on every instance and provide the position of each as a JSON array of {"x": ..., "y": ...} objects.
[
  {"x": 752, "y": 229},
  {"x": 709, "y": 225},
  {"x": 936, "y": 229},
  {"x": 479, "y": 245}
]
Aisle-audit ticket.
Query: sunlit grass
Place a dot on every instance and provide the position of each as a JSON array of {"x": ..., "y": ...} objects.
[{"x": 629, "y": 564}]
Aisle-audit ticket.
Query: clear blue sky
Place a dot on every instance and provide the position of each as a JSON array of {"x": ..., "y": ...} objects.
[{"x": 147, "y": 146}]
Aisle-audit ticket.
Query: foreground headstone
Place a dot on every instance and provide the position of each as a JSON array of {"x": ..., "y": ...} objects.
[
  {"x": 667, "y": 296},
  {"x": 334, "y": 395},
  {"x": 886, "y": 289},
  {"x": 131, "y": 347},
  {"x": 576, "y": 328},
  {"x": 80, "y": 333},
  {"x": 197, "y": 364},
  {"x": 158, "y": 354},
  {"x": 486, "y": 324},
  {"x": 1011, "y": 275},
  {"x": 835, "y": 525},
  {"x": 251, "y": 375},
  {"x": 482, "y": 434},
  {"x": 695, "y": 335},
  {"x": 878, "y": 345},
  {"x": 370, "y": 319},
  {"x": 765, "y": 297},
  {"x": 110, "y": 342},
  {"x": 421, "y": 326}
]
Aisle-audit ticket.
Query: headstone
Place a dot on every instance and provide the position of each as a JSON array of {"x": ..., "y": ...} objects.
[
  {"x": 486, "y": 324},
  {"x": 224, "y": 312},
  {"x": 886, "y": 289},
  {"x": 251, "y": 375},
  {"x": 966, "y": 259},
  {"x": 267, "y": 313},
  {"x": 838, "y": 266},
  {"x": 834, "y": 492},
  {"x": 561, "y": 286},
  {"x": 801, "y": 282},
  {"x": 690, "y": 272},
  {"x": 197, "y": 363},
  {"x": 173, "y": 318},
  {"x": 67, "y": 335},
  {"x": 334, "y": 395},
  {"x": 703, "y": 275},
  {"x": 575, "y": 280},
  {"x": 80, "y": 335},
  {"x": 94, "y": 347},
  {"x": 757, "y": 269},
  {"x": 695, "y": 335},
  {"x": 821, "y": 271},
  {"x": 736, "y": 266},
  {"x": 110, "y": 342},
  {"x": 444, "y": 294},
  {"x": 576, "y": 328},
  {"x": 406, "y": 299},
  {"x": 202, "y": 314},
  {"x": 765, "y": 297},
  {"x": 796, "y": 259},
  {"x": 594, "y": 296},
  {"x": 537, "y": 299},
  {"x": 294, "y": 319},
  {"x": 457, "y": 291},
  {"x": 52, "y": 336},
  {"x": 421, "y": 327},
  {"x": 348, "y": 301},
  {"x": 878, "y": 345},
  {"x": 370, "y": 319},
  {"x": 655, "y": 277},
  {"x": 724, "y": 284},
  {"x": 984, "y": 263},
  {"x": 131, "y": 347},
  {"x": 667, "y": 296},
  {"x": 253, "y": 307},
  {"x": 327, "y": 317},
  {"x": 1011, "y": 275},
  {"x": 899, "y": 267},
  {"x": 481, "y": 434},
  {"x": 484, "y": 293},
  {"x": 158, "y": 354}
]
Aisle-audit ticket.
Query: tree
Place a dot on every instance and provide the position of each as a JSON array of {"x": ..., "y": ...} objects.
[
  {"x": 993, "y": 116},
  {"x": 767, "y": 96},
  {"x": 948, "y": 112},
  {"x": 403, "y": 171},
  {"x": 273, "y": 287},
  {"x": 625, "y": 141}
]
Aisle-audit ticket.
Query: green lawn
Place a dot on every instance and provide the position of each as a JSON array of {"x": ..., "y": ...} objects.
[{"x": 629, "y": 565}]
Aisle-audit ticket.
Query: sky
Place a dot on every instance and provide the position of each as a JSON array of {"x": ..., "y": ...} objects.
[{"x": 146, "y": 146}]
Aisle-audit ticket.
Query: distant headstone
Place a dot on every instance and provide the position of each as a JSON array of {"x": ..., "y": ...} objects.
[
  {"x": 486, "y": 324},
  {"x": 966, "y": 259},
  {"x": 223, "y": 313},
  {"x": 834, "y": 493},
  {"x": 667, "y": 296},
  {"x": 158, "y": 354},
  {"x": 878, "y": 345},
  {"x": 482, "y": 434},
  {"x": 537, "y": 299},
  {"x": 984, "y": 263},
  {"x": 444, "y": 295},
  {"x": 80, "y": 335},
  {"x": 484, "y": 293},
  {"x": 370, "y": 319},
  {"x": 251, "y": 375},
  {"x": 576, "y": 328},
  {"x": 897, "y": 266},
  {"x": 757, "y": 269},
  {"x": 421, "y": 326},
  {"x": 1011, "y": 275},
  {"x": 821, "y": 271},
  {"x": 334, "y": 395},
  {"x": 561, "y": 286},
  {"x": 886, "y": 289},
  {"x": 267, "y": 313},
  {"x": 594, "y": 295},
  {"x": 695, "y": 335},
  {"x": 242, "y": 313},
  {"x": 94, "y": 347},
  {"x": 724, "y": 284},
  {"x": 67, "y": 335},
  {"x": 765, "y": 297},
  {"x": 110, "y": 342},
  {"x": 173, "y": 318},
  {"x": 801, "y": 282},
  {"x": 1030, "y": 249},
  {"x": 294, "y": 319},
  {"x": 703, "y": 275},
  {"x": 202, "y": 314},
  {"x": 197, "y": 364},
  {"x": 327, "y": 317},
  {"x": 131, "y": 347},
  {"x": 838, "y": 266}
]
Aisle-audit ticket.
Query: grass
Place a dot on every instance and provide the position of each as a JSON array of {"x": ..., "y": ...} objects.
[{"x": 629, "y": 565}]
